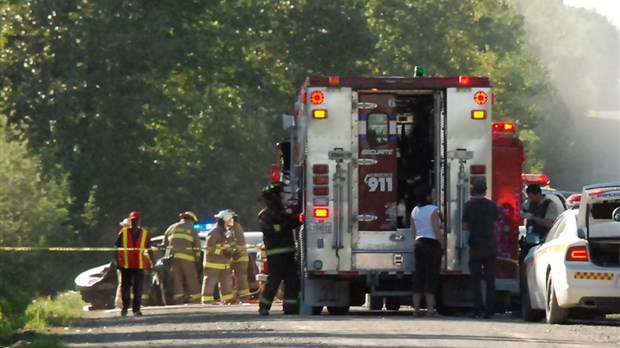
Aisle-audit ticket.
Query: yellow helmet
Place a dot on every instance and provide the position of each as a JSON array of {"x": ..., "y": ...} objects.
[{"x": 189, "y": 215}]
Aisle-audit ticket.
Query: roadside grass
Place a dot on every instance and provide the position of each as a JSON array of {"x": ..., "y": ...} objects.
[{"x": 43, "y": 313}]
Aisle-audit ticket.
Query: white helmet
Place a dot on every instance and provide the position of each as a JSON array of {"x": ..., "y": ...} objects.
[{"x": 224, "y": 215}]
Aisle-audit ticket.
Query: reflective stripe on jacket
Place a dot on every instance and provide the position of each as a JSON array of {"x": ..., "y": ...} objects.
[
  {"x": 182, "y": 241},
  {"x": 217, "y": 243},
  {"x": 130, "y": 256}
]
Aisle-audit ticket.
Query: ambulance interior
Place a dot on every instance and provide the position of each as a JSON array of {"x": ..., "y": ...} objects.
[{"x": 415, "y": 126}]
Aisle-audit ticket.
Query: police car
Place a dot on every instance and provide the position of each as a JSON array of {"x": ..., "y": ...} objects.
[{"x": 575, "y": 271}]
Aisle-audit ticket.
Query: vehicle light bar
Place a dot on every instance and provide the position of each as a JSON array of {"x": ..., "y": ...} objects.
[{"x": 503, "y": 127}]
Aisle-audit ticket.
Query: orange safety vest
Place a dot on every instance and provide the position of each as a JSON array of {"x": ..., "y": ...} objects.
[{"x": 130, "y": 256}]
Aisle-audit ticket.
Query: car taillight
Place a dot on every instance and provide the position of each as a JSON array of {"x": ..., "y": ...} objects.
[{"x": 577, "y": 253}]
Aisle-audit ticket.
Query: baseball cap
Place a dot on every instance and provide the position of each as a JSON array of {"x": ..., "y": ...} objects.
[{"x": 134, "y": 215}]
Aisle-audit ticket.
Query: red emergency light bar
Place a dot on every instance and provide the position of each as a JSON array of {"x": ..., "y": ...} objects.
[
  {"x": 541, "y": 179},
  {"x": 420, "y": 82},
  {"x": 503, "y": 127}
]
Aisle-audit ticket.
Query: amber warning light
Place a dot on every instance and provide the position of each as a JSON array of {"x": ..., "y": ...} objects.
[{"x": 321, "y": 213}]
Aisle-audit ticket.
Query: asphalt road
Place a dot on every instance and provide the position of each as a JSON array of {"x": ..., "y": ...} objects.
[{"x": 241, "y": 326}]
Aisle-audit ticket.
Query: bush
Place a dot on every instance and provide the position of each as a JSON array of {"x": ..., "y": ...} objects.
[
  {"x": 46, "y": 312},
  {"x": 13, "y": 303}
]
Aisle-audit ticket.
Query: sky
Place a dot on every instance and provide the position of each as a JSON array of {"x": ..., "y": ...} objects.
[{"x": 607, "y": 8}]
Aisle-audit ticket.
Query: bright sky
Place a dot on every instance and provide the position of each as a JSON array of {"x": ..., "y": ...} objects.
[{"x": 608, "y": 8}]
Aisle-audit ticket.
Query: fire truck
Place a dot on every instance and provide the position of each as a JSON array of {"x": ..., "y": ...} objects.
[{"x": 355, "y": 150}]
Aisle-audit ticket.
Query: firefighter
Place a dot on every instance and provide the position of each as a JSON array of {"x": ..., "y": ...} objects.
[
  {"x": 118, "y": 298},
  {"x": 240, "y": 260},
  {"x": 218, "y": 255},
  {"x": 131, "y": 243},
  {"x": 277, "y": 226},
  {"x": 183, "y": 246}
]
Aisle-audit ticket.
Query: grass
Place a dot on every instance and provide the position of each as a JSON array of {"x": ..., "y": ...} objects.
[{"x": 28, "y": 326}]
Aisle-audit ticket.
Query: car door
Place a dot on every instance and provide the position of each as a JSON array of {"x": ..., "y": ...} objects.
[{"x": 540, "y": 258}]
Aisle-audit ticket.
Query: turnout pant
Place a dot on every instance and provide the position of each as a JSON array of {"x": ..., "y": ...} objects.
[
  {"x": 240, "y": 269},
  {"x": 185, "y": 281},
  {"x": 282, "y": 267},
  {"x": 213, "y": 276}
]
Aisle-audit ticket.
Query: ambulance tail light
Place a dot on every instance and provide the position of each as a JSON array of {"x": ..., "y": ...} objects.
[
  {"x": 301, "y": 217},
  {"x": 320, "y": 190},
  {"x": 321, "y": 213},
  {"x": 478, "y": 169},
  {"x": 320, "y": 184},
  {"x": 577, "y": 253}
]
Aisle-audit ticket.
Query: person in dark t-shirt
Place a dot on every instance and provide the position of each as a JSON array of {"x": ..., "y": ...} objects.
[{"x": 480, "y": 216}]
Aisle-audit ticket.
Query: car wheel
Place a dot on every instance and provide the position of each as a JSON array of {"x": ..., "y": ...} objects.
[
  {"x": 527, "y": 312},
  {"x": 553, "y": 312},
  {"x": 375, "y": 303},
  {"x": 338, "y": 310}
]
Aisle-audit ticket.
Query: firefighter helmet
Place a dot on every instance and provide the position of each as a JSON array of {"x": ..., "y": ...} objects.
[
  {"x": 272, "y": 189},
  {"x": 224, "y": 215},
  {"x": 188, "y": 215}
]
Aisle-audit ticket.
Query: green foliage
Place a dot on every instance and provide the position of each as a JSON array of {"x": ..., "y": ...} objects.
[
  {"x": 13, "y": 303},
  {"x": 33, "y": 212},
  {"x": 170, "y": 106},
  {"x": 45, "y": 312}
]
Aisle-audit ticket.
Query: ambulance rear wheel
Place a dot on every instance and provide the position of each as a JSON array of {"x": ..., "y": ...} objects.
[
  {"x": 392, "y": 303},
  {"x": 316, "y": 310},
  {"x": 375, "y": 303},
  {"x": 338, "y": 310}
]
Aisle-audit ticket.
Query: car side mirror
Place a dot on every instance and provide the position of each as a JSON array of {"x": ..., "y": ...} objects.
[
  {"x": 532, "y": 239},
  {"x": 581, "y": 233}
]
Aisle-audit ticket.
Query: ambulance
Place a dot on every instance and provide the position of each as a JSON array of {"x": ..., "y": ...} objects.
[{"x": 354, "y": 152}]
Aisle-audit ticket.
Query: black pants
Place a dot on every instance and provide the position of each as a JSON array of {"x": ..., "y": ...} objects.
[
  {"x": 282, "y": 267},
  {"x": 477, "y": 262},
  {"x": 427, "y": 253},
  {"x": 132, "y": 277}
]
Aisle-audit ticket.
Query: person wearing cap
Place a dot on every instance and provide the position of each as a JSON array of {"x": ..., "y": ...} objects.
[
  {"x": 480, "y": 217},
  {"x": 428, "y": 247},
  {"x": 131, "y": 243},
  {"x": 278, "y": 228},
  {"x": 217, "y": 258},
  {"x": 183, "y": 246},
  {"x": 118, "y": 301},
  {"x": 239, "y": 263}
]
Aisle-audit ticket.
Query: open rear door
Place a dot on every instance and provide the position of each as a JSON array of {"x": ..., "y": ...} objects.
[{"x": 378, "y": 163}]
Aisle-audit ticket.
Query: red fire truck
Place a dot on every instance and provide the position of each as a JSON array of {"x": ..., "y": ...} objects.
[{"x": 356, "y": 150}]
